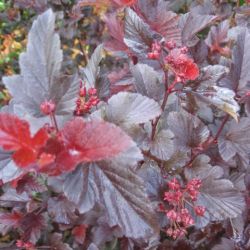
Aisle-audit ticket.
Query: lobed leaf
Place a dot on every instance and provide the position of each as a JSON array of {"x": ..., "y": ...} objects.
[
  {"x": 61, "y": 210},
  {"x": 163, "y": 145},
  {"x": 91, "y": 71},
  {"x": 94, "y": 140},
  {"x": 125, "y": 109},
  {"x": 160, "y": 18},
  {"x": 119, "y": 191},
  {"x": 15, "y": 136},
  {"x": 31, "y": 225},
  {"x": 191, "y": 24},
  {"x": 235, "y": 140},
  {"x": 222, "y": 98},
  {"x": 138, "y": 35},
  {"x": 148, "y": 81},
  {"x": 189, "y": 131},
  {"x": 40, "y": 69},
  {"x": 8, "y": 169}
]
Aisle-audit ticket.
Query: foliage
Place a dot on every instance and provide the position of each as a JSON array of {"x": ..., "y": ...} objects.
[{"x": 142, "y": 145}]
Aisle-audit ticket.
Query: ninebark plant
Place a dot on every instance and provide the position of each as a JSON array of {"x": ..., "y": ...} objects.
[{"x": 146, "y": 157}]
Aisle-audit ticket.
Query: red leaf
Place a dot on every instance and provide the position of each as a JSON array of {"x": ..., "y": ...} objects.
[
  {"x": 82, "y": 141},
  {"x": 40, "y": 138},
  {"x": 94, "y": 141},
  {"x": 14, "y": 133},
  {"x": 15, "y": 136},
  {"x": 116, "y": 31},
  {"x": 79, "y": 233},
  {"x": 24, "y": 156},
  {"x": 11, "y": 219}
]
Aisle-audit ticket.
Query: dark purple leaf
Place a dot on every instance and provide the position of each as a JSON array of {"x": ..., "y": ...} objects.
[
  {"x": 217, "y": 37},
  {"x": 160, "y": 19},
  {"x": 148, "y": 82},
  {"x": 91, "y": 71},
  {"x": 29, "y": 184},
  {"x": 235, "y": 140},
  {"x": 138, "y": 35},
  {"x": 57, "y": 242},
  {"x": 191, "y": 24},
  {"x": 116, "y": 31},
  {"x": 222, "y": 98},
  {"x": 126, "y": 109},
  {"x": 11, "y": 198},
  {"x": 238, "y": 78},
  {"x": 31, "y": 225},
  {"x": 61, "y": 210},
  {"x": 40, "y": 69},
  {"x": 8, "y": 169},
  {"x": 119, "y": 191},
  {"x": 189, "y": 131},
  {"x": 9, "y": 221},
  {"x": 162, "y": 145},
  {"x": 225, "y": 244}
]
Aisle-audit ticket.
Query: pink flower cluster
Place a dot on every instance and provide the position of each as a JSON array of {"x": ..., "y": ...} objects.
[
  {"x": 155, "y": 51},
  {"x": 183, "y": 66},
  {"x": 25, "y": 245},
  {"x": 176, "y": 60},
  {"x": 86, "y": 100},
  {"x": 178, "y": 197}
]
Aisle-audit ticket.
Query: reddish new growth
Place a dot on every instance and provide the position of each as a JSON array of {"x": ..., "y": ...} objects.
[
  {"x": 86, "y": 100},
  {"x": 183, "y": 66},
  {"x": 178, "y": 198}
]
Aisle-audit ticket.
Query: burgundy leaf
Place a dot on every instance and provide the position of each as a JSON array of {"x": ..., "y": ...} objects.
[
  {"x": 57, "y": 242},
  {"x": 94, "y": 141},
  {"x": 148, "y": 82},
  {"x": 217, "y": 37},
  {"x": 29, "y": 184},
  {"x": 11, "y": 198},
  {"x": 189, "y": 131},
  {"x": 235, "y": 140},
  {"x": 31, "y": 225},
  {"x": 138, "y": 35},
  {"x": 61, "y": 210},
  {"x": 15, "y": 136},
  {"x": 160, "y": 19},
  {"x": 127, "y": 109},
  {"x": 121, "y": 80},
  {"x": 191, "y": 24},
  {"x": 116, "y": 31},
  {"x": 9, "y": 220},
  {"x": 119, "y": 191}
]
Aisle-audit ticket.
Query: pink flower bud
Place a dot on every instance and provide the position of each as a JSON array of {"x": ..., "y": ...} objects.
[
  {"x": 200, "y": 210},
  {"x": 170, "y": 45},
  {"x": 92, "y": 91},
  {"x": 47, "y": 107},
  {"x": 82, "y": 92}
]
